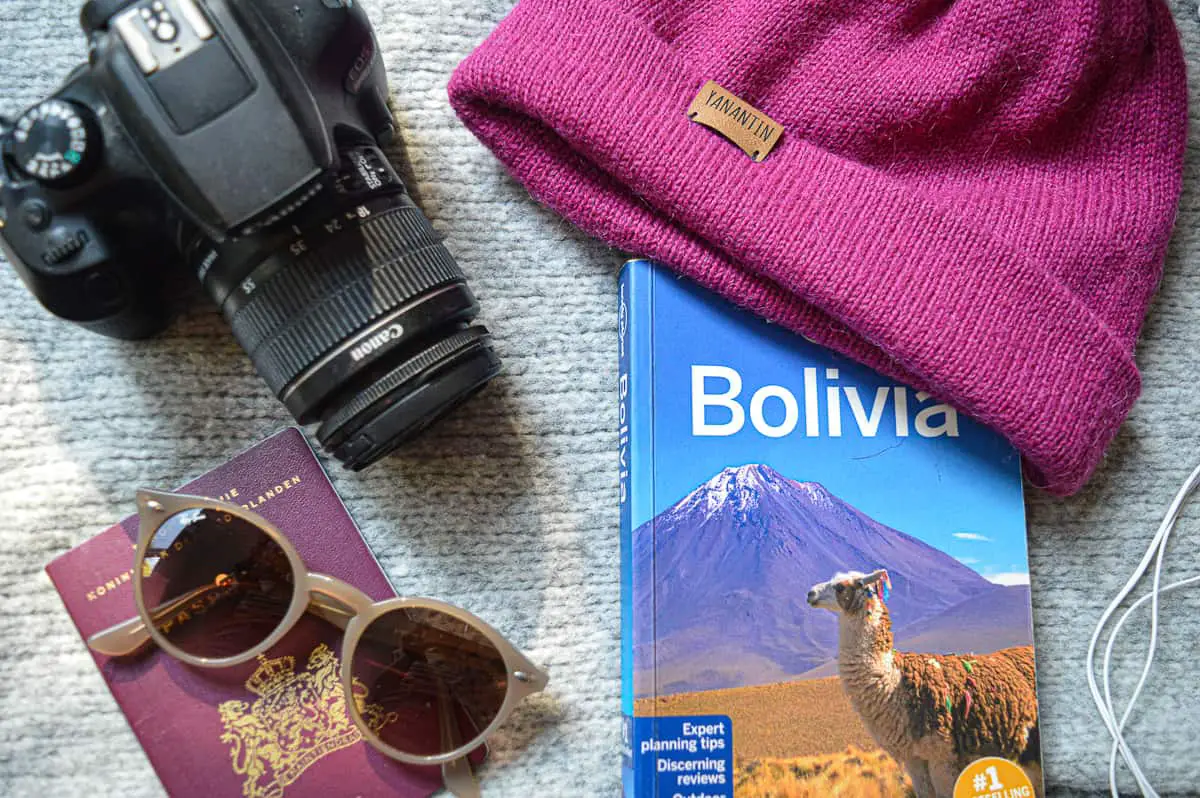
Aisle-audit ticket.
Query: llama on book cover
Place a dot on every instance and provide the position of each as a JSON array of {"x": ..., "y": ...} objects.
[{"x": 825, "y": 582}]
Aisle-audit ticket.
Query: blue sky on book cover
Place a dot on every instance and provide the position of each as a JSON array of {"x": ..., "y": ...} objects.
[{"x": 960, "y": 494}]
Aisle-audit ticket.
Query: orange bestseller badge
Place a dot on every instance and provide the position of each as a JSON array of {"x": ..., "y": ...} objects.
[{"x": 993, "y": 777}]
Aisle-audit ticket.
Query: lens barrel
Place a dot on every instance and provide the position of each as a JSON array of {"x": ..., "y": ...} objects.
[{"x": 360, "y": 320}]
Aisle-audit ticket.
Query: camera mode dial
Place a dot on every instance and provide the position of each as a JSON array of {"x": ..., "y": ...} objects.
[{"x": 54, "y": 142}]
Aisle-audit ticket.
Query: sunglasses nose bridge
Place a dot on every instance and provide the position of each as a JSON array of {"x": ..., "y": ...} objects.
[{"x": 335, "y": 600}]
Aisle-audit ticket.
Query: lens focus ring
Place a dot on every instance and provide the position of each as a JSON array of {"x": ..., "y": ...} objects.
[
  {"x": 438, "y": 353},
  {"x": 321, "y": 298}
]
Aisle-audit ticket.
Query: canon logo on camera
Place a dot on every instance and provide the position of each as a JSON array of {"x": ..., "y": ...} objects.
[
  {"x": 370, "y": 176},
  {"x": 376, "y": 342}
]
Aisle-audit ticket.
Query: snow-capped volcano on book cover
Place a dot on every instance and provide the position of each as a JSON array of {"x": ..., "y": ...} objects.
[{"x": 824, "y": 575}]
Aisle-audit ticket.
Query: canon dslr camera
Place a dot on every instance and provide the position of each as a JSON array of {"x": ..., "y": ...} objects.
[{"x": 240, "y": 139}]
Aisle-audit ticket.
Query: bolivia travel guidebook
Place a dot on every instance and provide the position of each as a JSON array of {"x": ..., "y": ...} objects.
[{"x": 825, "y": 584}]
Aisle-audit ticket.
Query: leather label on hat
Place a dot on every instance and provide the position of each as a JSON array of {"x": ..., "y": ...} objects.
[{"x": 735, "y": 119}]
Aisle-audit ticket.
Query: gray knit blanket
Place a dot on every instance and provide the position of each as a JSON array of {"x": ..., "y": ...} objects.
[{"x": 509, "y": 508}]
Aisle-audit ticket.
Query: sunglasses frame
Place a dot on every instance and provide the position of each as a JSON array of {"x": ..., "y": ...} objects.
[{"x": 333, "y": 599}]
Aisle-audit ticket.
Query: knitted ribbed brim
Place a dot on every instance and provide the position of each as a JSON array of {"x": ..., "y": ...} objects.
[{"x": 957, "y": 287}]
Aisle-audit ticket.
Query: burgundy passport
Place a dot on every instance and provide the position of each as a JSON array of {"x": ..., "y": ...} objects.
[{"x": 272, "y": 728}]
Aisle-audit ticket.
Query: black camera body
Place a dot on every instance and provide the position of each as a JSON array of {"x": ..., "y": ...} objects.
[{"x": 239, "y": 139}]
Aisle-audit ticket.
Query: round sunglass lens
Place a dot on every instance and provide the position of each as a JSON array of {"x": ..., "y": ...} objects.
[
  {"x": 215, "y": 585},
  {"x": 439, "y": 681}
]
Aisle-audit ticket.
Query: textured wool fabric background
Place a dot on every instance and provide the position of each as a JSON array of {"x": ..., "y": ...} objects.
[{"x": 510, "y": 507}]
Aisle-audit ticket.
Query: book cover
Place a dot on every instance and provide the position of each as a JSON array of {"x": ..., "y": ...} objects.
[
  {"x": 824, "y": 573},
  {"x": 271, "y": 728}
]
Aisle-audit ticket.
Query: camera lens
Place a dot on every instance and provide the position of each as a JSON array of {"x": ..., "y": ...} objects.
[{"x": 357, "y": 317}]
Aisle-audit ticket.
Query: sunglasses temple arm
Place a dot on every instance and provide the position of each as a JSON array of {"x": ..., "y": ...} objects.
[
  {"x": 460, "y": 779},
  {"x": 130, "y": 636},
  {"x": 121, "y": 640},
  {"x": 457, "y": 774},
  {"x": 337, "y": 603}
]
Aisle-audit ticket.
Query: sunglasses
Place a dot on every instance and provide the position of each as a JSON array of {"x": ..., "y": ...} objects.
[{"x": 216, "y": 585}]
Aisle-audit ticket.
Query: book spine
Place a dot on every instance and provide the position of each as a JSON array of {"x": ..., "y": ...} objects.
[{"x": 635, "y": 456}]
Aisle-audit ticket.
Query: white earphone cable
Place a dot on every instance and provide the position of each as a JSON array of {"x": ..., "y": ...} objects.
[
  {"x": 1192, "y": 580},
  {"x": 1104, "y": 703}
]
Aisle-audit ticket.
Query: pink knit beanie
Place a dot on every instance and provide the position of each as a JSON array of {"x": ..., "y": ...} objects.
[{"x": 973, "y": 197}]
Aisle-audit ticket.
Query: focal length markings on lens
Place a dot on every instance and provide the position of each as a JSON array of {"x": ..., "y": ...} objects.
[
  {"x": 219, "y": 267},
  {"x": 304, "y": 241},
  {"x": 328, "y": 296}
]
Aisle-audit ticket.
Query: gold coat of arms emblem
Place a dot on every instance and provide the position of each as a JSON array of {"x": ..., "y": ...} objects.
[{"x": 298, "y": 718}]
